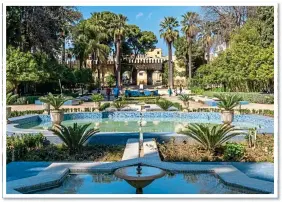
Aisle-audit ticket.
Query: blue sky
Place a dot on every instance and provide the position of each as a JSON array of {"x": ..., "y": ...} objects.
[{"x": 146, "y": 17}]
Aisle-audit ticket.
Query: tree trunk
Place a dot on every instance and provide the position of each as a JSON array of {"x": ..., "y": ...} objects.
[
  {"x": 170, "y": 68},
  {"x": 98, "y": 68},
  {"x": 208, "y": 54},
  {"x": 64, "y": 50},
  {"x": 80, "y": 63},
  {"x": 190, "y": 61},
  {"x": 118, "y": 81},
  {"x": 186, "y": 60}
]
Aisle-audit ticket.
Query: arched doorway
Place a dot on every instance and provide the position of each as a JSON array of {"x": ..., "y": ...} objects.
[
  {"x": 126, "y": 77},
  {"x": 157, "y": 78},
  {"x": 142, "y": 78}
]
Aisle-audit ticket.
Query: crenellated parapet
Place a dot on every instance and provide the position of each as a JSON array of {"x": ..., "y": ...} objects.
[{"x": 137, "y": 61}]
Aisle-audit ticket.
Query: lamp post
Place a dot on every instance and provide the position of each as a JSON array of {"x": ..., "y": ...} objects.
[{"x": 141, "y": 149}]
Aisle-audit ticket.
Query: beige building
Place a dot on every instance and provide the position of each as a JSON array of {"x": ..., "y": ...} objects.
[{"x": 148, "y": 69}]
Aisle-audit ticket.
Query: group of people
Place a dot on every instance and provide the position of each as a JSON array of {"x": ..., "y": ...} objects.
[
  {"x": 175, "y": 91},
  {"x": 116, "y": 92}
]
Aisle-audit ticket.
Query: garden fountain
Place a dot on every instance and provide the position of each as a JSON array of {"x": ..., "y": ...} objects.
[{"x": 139, "y": 176}]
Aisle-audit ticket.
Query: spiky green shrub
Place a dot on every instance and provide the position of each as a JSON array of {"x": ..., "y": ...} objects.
[
  {"x": 55, "y": 101},
  {"x": 119, "y": 104},
  {"x": 74, "y": 137},
  {"x": 10, "y": 98},
  {"x": 164, "y": 104},
  {"x": 228, "y": 102},
  {"x": 97, "y": 97},
  {"x": 104, "y": 106},
  {"x": 210, "y": 136}
]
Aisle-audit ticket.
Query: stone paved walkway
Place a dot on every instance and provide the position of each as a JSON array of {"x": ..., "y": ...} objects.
[{"x": 132, "y": 147}]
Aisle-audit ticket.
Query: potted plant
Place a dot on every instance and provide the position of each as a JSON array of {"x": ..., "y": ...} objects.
[
  {"x": 97, "y": 98},
  {"x": 185, "y": 99},
  {"x": 10, "y": 99},
  {"x": 56, "y": 102},
  {"x": 46, "y": 108},
  {"x": 227, "y": 103}
]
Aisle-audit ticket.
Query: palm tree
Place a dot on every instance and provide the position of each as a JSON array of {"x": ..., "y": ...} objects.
[
  {"x": 99, "y": 51},
  {"x": 190, "y": 28},
  {"x": 80, "y": 43},
  {"x": 118, "y": 30},
  {"x": 170, "y": 33},
  {"x": 207, "y": 37}
]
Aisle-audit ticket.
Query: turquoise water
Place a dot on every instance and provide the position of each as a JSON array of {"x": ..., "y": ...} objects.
[
  {"x": 109, "y": 125},
  {"x": 182, "y": 183}
]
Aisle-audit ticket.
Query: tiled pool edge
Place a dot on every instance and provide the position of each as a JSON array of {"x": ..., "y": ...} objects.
[
  {"x": 12, "y": 129},
  {"x": 54, "y": 174}
]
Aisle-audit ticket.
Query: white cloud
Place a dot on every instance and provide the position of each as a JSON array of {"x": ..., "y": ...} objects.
[
  {"x": 140, "y": 14},
  {"x": 149, "y": 16}
]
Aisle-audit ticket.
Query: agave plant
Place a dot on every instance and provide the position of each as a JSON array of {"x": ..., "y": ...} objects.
[
  {"x": 185, "y": 99},
  {"x": 210, "y": 136},
  {"x": 164, "y": 104},
  {"x": 10, "y": 98},
  {"x": 74, "y": 137},
  {"x": 55, "y": 101},
  {"x": 228, "y": 102},
  {"x": 119, "y": 104},
  {"x": 97, "y": 97}
]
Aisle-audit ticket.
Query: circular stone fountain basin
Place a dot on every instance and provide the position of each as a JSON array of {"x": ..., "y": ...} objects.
[{"x": 147, "y": 176}]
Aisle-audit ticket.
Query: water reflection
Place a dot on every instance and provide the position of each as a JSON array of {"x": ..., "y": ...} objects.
[
  {"x": 181, "y": 183},
  {"x": 131, "y": 125}
]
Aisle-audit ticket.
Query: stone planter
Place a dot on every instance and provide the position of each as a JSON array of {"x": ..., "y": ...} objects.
[
  {"x": 227, "y": 116},
  {"x": 185, "y": 110},
  {"x": 46, "y": 108},
  {"x": 97, "y": 106},
  {"x": 8, "y": 113},
  {"x": 57, "y": 116}
]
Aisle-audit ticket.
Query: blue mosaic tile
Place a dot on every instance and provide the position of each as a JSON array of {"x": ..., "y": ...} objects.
[
  {"x": 24, "y": 119},
  {"x": 74, "y": 116},
  {"x": 262, "y": 123}
]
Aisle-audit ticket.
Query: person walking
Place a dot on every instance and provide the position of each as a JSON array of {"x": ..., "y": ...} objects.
[
  {"x": 108, "y": 92},
  {"x": 180, "y": 89},
  {"x": 169, "y": 91},
  {"x": 116, "y": 92}
]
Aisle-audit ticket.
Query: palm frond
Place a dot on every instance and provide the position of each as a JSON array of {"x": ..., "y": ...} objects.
[
  {"x": 228, "y": 102},
  {"x": 75, "y": 136},
  {"x": 10, "y": 98},
  {"x": 211, "y": 136}
]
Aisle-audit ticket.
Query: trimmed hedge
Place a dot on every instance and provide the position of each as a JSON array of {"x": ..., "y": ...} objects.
[{"x": 251, "y": 97}]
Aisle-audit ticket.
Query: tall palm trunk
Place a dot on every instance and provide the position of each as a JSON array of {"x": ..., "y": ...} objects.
[
  {"x": 190, "y": 61},
  {"x": 64, "y": 50},
  {"x": 98, "y": 68},
  {"x": 170, "y": 67},
  {"x": 208, "y": 54},
  {"x": 118, "y": 64}
]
